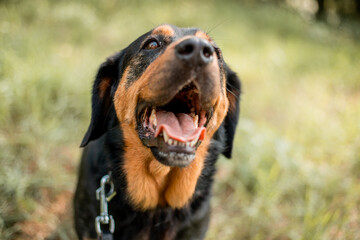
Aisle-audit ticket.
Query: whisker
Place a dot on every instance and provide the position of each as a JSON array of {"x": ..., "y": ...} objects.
[
  {"x": 217, "y": 25},
  {"x": 232, "y": 93}
]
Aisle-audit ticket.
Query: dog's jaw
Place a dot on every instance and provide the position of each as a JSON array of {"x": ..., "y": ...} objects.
[{"x": 174, "y": 131}]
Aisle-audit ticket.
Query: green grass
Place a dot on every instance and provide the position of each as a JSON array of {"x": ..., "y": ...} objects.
[{"x": 295, "y": 173}]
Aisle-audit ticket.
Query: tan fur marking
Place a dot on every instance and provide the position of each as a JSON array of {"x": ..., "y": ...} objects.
[
  {"x": 160, "y": 174},
  {"x": 203, "y": 35},
  {"x": 165, "y": 30},
  {"x": 182, "y": 181},
  {"x": 104, "y": 86},
  {"x": 142, "y": 187}
]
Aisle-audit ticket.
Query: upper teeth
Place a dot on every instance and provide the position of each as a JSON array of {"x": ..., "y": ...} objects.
[
  {"x": 174, "y": 142},
  {"x": 153, "y": 117},
  {"x": 196, "y": 121}
]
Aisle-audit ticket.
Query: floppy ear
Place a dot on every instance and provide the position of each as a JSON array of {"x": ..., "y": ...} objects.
[
  {"x": 233, "y": 90},
  {"x": 102, "y": 92}
]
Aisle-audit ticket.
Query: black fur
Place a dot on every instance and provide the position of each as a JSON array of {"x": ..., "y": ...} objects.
[
  {"x": 104, "y": 152},
  {"x": 101, "y": 106},
  {"x": 233, "y": 86}
]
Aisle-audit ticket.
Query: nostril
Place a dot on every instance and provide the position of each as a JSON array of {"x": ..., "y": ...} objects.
[
  {"x": 195, "y": 51},
  {"x": 207, "y": 52},
  {"x": 185, "y": 49}
]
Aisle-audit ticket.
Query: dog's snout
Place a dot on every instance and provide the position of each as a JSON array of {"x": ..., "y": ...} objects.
[{"x": 195, "y": 50}]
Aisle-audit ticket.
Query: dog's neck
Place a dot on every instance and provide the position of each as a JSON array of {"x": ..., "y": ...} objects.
[{"x": 151, "y": 184}]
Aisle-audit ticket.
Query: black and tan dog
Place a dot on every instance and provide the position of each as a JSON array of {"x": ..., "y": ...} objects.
[{"x": 163, "y": 109}]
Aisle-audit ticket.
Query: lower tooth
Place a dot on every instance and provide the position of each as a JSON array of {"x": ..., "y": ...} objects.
[{"x": 193, "y": 143}]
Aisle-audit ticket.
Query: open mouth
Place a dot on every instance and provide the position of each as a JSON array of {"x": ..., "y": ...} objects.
[{"x": 174, "y": 131}]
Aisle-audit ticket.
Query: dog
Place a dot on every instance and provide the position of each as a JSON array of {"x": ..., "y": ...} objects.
[{"x": 163, "y": 110}]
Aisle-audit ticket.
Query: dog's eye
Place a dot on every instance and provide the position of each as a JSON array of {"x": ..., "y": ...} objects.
[{"x": 152, "y": 44}]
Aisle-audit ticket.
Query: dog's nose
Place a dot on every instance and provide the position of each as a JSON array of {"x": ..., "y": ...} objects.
[{"x": 195, "y": 50}]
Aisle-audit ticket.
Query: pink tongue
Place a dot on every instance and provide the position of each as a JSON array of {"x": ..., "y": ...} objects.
[{"x": 180, "y": 127}]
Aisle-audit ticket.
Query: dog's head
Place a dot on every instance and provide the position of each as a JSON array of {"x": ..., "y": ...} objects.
[{"x": 171, "y": 91}]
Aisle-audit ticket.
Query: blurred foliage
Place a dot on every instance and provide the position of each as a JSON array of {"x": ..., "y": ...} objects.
[
  {"x": 296, "y": 164},
  {"x": 321, "y": 9}
]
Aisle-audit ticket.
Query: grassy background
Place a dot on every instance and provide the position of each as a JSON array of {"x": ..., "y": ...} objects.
[{"x": 295, "y": 173}]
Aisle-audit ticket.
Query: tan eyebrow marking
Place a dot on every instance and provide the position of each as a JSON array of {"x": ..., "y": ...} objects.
[
  {"x": 163, "y": 30},
  {"x": 203, "y": 35}
]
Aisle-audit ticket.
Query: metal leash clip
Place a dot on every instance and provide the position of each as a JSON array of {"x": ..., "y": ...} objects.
[{"x": 104, "y": 218}]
